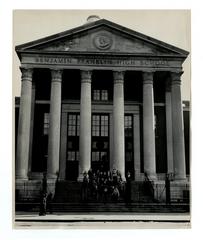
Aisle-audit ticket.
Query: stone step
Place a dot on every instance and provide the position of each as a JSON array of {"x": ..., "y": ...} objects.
[
  {"x": 107, "y": 207},
  {"x": 67, "y": 191}
]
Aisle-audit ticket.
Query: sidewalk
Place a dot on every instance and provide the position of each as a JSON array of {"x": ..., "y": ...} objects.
[{"x": 103, "y": 220}]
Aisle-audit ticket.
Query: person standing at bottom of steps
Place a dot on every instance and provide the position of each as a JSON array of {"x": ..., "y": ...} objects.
[
  {"x": 43, "y": 205},
  {"x": 43, "y": 196}
]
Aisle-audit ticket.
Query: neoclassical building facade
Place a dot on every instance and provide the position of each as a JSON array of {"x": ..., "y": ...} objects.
[{"x": 100, "y": 96}]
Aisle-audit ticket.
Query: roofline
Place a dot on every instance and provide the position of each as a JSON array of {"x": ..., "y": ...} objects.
[
  {"x": 102, "y": 53},
  {"x": 92, "y": 25}
]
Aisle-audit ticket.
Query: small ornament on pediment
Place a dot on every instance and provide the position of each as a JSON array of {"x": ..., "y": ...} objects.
[{"x": 103, "y": 41}]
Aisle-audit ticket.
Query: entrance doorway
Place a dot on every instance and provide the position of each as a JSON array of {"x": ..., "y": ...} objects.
[{"x": 100, "y": 142}]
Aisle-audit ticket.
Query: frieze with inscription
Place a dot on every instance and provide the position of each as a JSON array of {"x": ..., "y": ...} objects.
[
  {"x": 94, "y": 62},
  {"x": 98, "y": 61}
]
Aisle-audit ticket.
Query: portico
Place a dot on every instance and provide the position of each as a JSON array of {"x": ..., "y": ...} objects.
[{"x": 96, "y": 90}]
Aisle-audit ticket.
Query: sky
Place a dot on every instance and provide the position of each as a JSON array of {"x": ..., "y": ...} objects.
[{"x": 170, "y": 26}]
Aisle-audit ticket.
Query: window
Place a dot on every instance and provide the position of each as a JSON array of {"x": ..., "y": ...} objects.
[
  {"x": 100, "y": 95},
  {"x": 73, "y": 156},
  {"x": 73, "y": 137},
  {"x": 104, "y": 95},
  {"x": 96, "y": 156},
  {"x": 96, "y": 95},
  {"x": 128, "y": 126},
  {"x": 95, "y": 125},
  {"x": 46, "y": 124},
  {"x": 73, "y": 125},
  {"x": 104, "y": 126},
  {"x": 100, "y": 125}
]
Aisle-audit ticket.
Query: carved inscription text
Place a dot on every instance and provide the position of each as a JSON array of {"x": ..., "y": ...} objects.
[{"x": 99, "y": 62}]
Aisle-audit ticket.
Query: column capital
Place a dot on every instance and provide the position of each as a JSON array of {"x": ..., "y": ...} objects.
[
  {"x": 26, "y": 73},
  {"x": 148, "y": 77},
  {"x": 56, "y": 75},
  {"x": 118, "y": 76},
  {"x": 86, "y": 76},
  {"x": 176, "y": 77}
]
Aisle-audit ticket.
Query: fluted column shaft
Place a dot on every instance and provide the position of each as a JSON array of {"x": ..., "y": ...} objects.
[
  {"x": 54, "y": 127},
  {"x": 24, "y": 125},
  {"x": 178, "y": 127},
  {"x": 148, "y": 126},
  {"x": 31, "y": 127},
  {"x": 85, "y": 124},
  {"x": 169, "y": 134},
  {"x": 118, "y": 123}
]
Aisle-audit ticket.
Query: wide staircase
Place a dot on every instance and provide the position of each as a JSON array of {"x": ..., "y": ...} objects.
[{"x": 68, "y": 199}]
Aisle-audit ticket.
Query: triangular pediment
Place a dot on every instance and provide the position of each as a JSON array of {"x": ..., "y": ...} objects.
[{"x": 99, "y": 37}]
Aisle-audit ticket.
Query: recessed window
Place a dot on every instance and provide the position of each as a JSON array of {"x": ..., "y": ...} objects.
[
  {"x": 73, "y": 124},
  {"x": 73, "y": 155},
  {"x": 104, "y": 95},
  {"x": 46, "y": 124},
  {"x": 100, "y": 95},
  {"x": 128, "y": 126},
  {"x": 73, "y": 137},
  {"x": 96, "y": 95},
  {"x": 100, "y": 125}
]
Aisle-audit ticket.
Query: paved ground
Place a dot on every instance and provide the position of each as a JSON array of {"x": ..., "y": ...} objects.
[{"x": 104, "y": 220}]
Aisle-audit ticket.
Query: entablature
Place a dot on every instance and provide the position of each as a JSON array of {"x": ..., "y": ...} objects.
[{"x": 100, "y": 61}]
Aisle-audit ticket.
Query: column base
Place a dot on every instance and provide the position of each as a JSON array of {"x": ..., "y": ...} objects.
[
  {"x": 52, "y": 176},
  {"x": 20, "y": 181},
  {"x": 80, "y": 177},
  {"x": 21, "y": 175},
  {"x": 180, "y": 178},
  {"x": 23, "y": 178},
  {"x": 152, "y": 176},
  {"x": 51, "y": 185},
  {"x": 35, "y": 175}
]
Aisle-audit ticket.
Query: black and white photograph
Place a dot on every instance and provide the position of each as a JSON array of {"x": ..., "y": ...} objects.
[{"x": 102, "y": 118}]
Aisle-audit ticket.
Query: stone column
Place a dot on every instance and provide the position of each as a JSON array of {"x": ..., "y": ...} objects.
[
  {"x": 178, "y": 127},
  {"x": 136, "y": 140},
  {"x": 31, "y": 127},
  {"x": 55, "y": 125},
  {"x": 169, "y": 135},
  {"x": 85, "y": 124},
  {"x": 24, "y": 125},
  {"x": 63, "y": 148},
  {"x": 118, "y": 123},
  {"x": 148, "y": 126}
]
